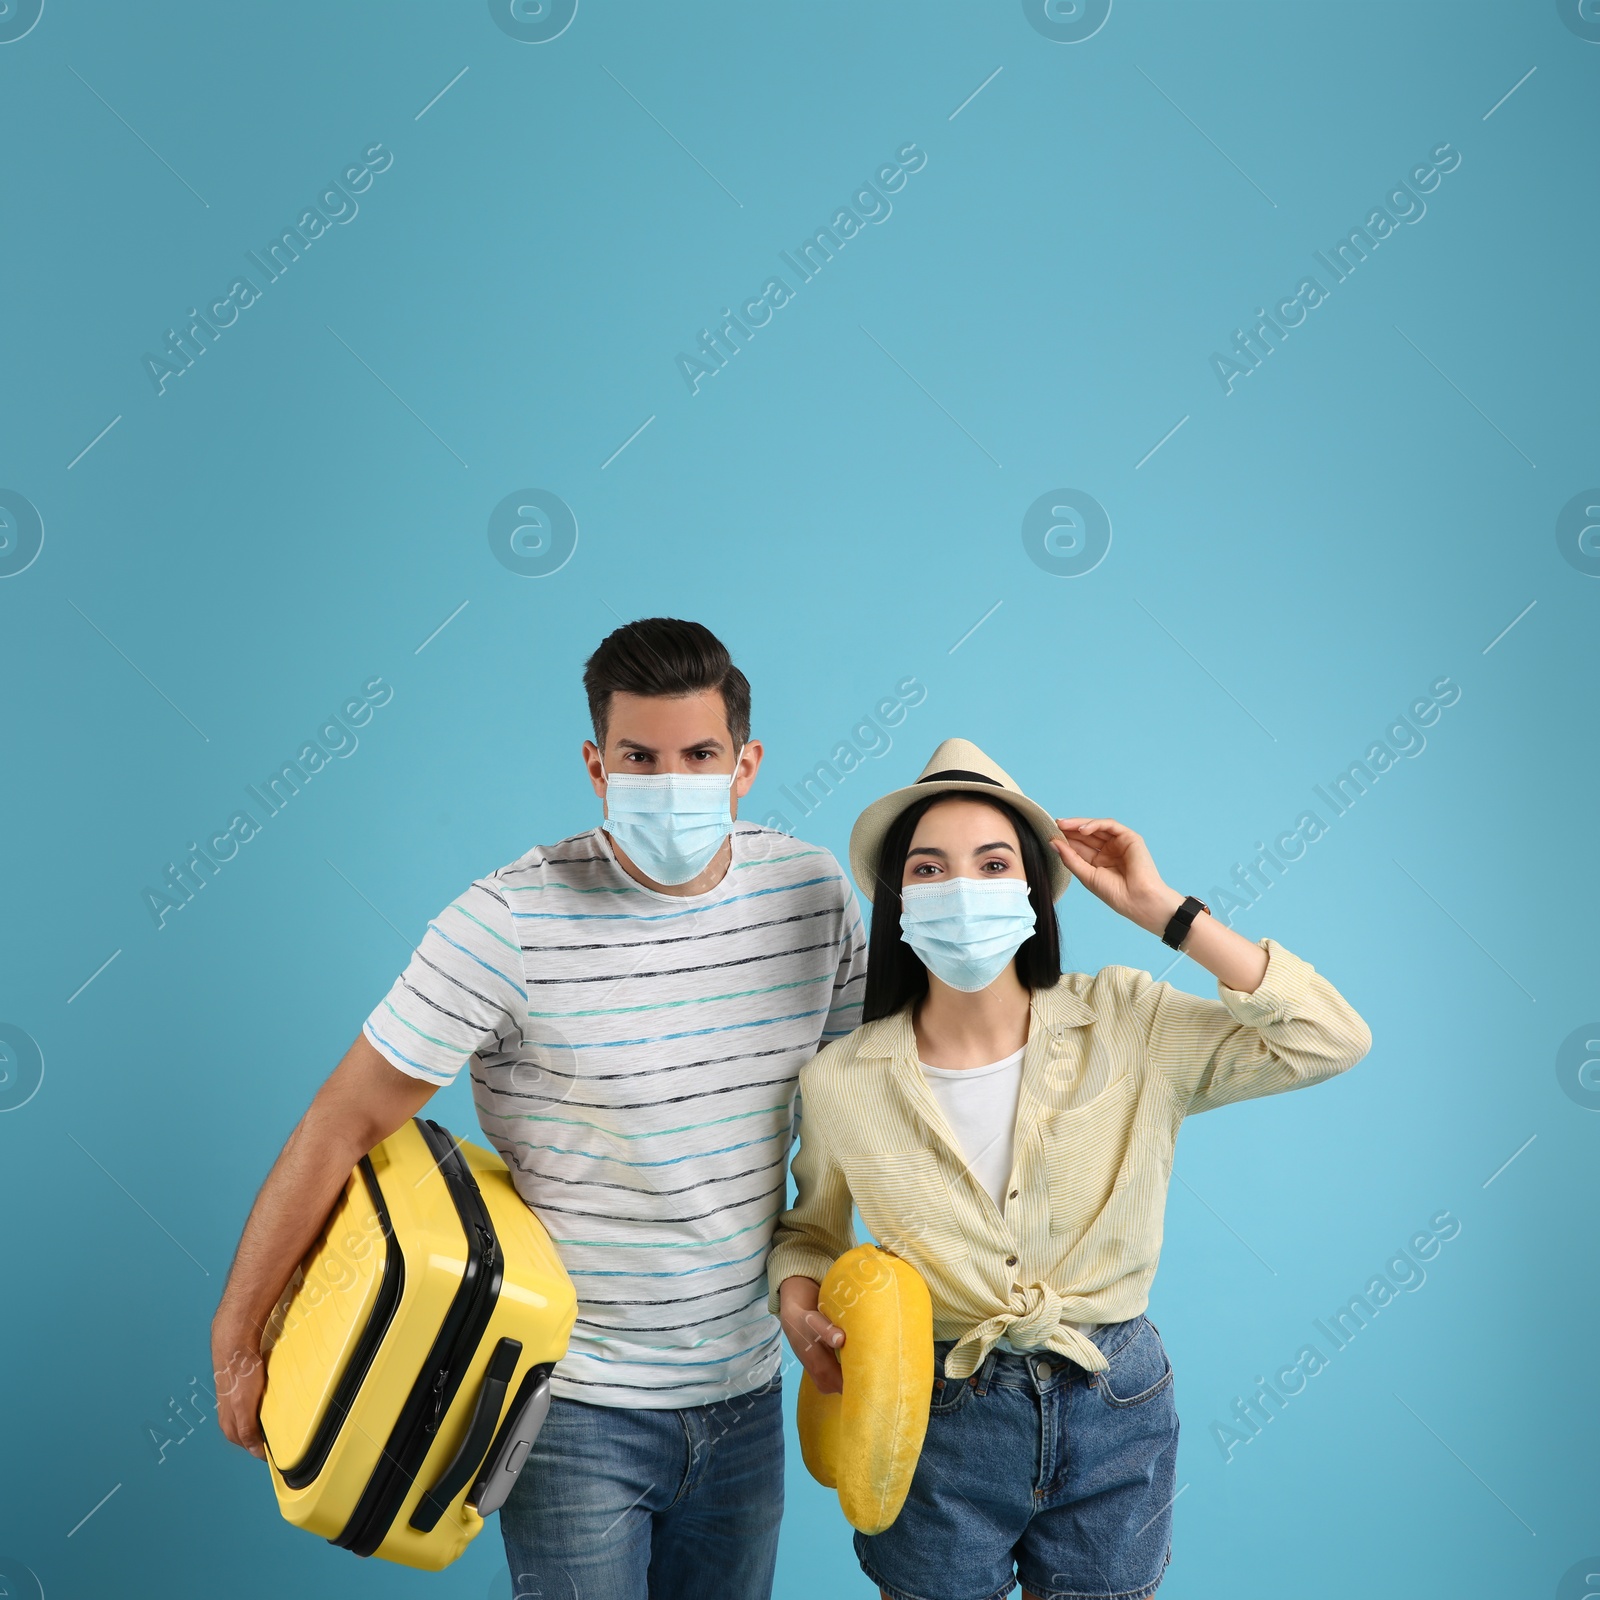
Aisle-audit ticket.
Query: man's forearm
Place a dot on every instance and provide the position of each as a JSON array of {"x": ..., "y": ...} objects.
[
  {"x": 364, "y": 1100},
  {"x": 290, "y": 1210}
]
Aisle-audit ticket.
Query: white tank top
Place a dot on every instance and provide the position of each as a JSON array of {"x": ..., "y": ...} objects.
[{"x": 980, "y": 1104}]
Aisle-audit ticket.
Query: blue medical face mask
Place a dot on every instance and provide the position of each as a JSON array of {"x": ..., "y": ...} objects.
[
  {"x": 670, "y": 823},
  {"x": 966, "y": 929}
]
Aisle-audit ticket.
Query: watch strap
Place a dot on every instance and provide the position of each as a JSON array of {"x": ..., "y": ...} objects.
[{"x": 1177, "y": 930}]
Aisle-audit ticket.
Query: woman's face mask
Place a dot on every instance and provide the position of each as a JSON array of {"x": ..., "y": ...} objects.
[
  {"x": 670, "y": 823},
  {"x": 966, "y": 930}
]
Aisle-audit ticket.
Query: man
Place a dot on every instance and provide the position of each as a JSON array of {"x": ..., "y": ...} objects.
[{"x": 635, "y": 1004}]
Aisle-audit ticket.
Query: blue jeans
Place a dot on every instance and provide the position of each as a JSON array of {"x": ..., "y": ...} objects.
[
  {"x": 1035, "y": 1469},
  {"x": 618, "y": 1504}
]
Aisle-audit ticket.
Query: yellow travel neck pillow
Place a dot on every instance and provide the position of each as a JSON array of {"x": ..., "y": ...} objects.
[{"x": 865, "y": 1442}]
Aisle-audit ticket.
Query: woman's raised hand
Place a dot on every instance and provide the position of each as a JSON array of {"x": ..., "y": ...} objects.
[{"x": 1112, "y": 862}]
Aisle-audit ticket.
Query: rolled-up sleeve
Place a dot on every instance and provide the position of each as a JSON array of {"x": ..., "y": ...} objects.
[
  {"x": 1292, "y": 1030},
  {"x": 817, "y": 1229}
]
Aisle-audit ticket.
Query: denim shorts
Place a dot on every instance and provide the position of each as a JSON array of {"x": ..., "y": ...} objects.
[{"x": 1035, "y": 1470}]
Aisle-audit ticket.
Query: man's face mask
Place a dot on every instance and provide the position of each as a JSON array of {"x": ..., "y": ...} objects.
[
  {"x": 670, "y": 823},
  {"x": 965, "y": 930}
]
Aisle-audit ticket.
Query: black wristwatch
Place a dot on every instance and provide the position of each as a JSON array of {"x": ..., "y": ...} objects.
[{"x": 1177, "y": 929}]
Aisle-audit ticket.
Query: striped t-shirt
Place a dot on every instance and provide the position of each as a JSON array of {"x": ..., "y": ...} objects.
[{"x": 634, "y": 1057}]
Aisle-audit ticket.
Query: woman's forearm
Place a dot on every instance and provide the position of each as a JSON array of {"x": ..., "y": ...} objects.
[{"x": 1232, "y": 959}]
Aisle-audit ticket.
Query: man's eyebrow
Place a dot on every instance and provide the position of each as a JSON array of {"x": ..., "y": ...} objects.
[
  {"x": 633, "y": 744},
  {"x": 705, "y": 744}
]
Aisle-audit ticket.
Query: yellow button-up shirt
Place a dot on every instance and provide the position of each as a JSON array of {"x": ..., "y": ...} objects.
[{"x": 1113, "y": 1064}]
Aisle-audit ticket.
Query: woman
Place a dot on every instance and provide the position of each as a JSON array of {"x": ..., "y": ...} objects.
[{"x": 1009, "y": 1129}]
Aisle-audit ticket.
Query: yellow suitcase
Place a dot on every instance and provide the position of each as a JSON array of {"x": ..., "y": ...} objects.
[{"x": 408, "y": 1362}]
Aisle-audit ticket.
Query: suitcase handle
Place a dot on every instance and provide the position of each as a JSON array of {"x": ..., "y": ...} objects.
[
  {"x": 473, "y": 1448},
  {"x": 513, "y": 1442}
]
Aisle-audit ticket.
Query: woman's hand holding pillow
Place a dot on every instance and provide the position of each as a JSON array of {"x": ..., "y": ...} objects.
[{"x": 812, "y": 1337}]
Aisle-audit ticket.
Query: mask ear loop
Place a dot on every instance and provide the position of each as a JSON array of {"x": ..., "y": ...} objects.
[{"x": 733, "y": 799}]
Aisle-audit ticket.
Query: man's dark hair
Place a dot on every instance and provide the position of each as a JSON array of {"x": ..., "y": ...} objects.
[
  {"x": 895, "y": 974},
  {"x": 668, "y": 657}
]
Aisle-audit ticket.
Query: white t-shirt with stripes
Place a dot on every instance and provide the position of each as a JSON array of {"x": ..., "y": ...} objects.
[{"x": 633, "y": 1058}]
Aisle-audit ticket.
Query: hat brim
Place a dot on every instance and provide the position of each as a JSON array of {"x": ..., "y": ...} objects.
[{"x": 872, "y": 827}]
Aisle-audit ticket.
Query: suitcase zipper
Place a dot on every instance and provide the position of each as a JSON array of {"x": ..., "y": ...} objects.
[
  {"x": 442, "y": 1387},
  {"x": 453, "y": 1349}
]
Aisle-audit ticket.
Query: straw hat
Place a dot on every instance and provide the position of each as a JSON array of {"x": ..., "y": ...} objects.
[{"x": 957, "y": 767}]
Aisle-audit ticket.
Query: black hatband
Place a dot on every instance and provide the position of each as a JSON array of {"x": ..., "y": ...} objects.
[{"x": 958, "y": 774}]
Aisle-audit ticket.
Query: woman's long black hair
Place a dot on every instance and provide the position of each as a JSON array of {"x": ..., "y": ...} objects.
[{"x": 895, "y": 973}]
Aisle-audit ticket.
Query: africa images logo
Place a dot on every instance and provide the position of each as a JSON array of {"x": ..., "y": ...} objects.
[
  {"x": 1402, "y": 204},
  {"x": 336, "y": 203},
  {"x": 869, "y": 203},
  {"x": 336, "y": 739}
]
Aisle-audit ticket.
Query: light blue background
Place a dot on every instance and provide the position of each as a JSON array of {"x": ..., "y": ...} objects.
[{"x": 1294, "y": 566}]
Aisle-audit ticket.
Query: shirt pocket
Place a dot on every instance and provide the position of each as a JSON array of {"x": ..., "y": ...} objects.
[
  {"x": 905, "y": 1201},
  {"x": 1087, "y": 1158}
]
